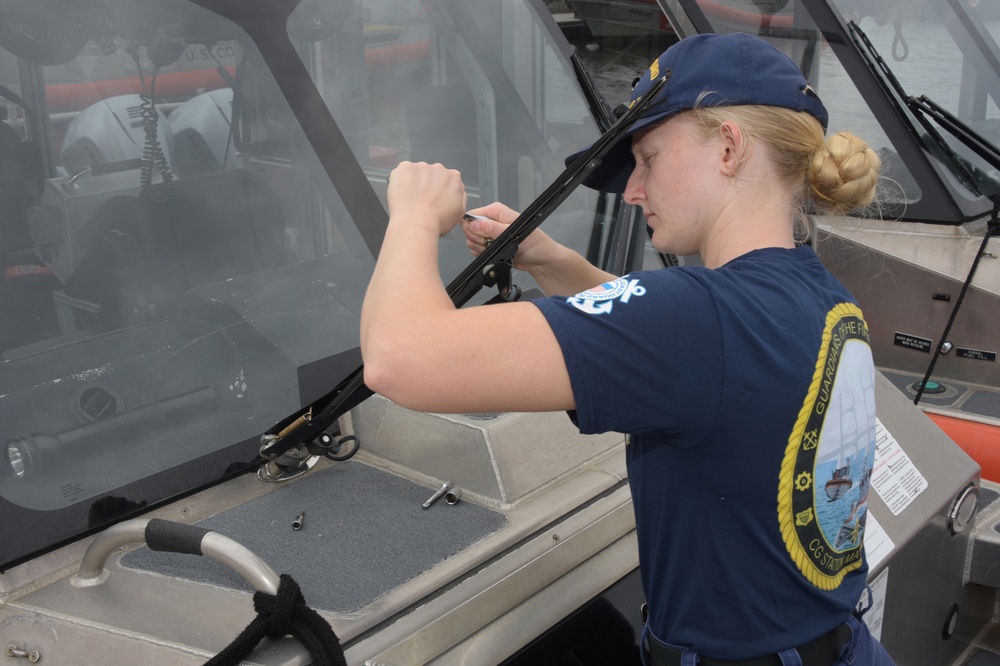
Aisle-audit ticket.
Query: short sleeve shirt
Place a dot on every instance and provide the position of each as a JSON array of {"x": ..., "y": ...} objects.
[{"x": 747, "y": 394}]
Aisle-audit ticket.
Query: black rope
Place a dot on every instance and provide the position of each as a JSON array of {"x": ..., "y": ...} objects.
[
  {"x": 282, "y": 614},
  {"x": 992, "y": 229}
]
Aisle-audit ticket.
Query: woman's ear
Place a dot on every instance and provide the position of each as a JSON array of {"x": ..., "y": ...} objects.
[{"x": 734, "y": 147}]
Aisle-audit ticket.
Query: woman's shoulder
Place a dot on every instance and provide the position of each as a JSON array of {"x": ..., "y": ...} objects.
[
  {"x": 801, "y": 255},
  {"x": 799, "y": 265}
]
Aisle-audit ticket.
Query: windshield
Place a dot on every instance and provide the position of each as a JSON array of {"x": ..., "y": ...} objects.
[
  {"x": 191, "y": 211},
  {"x": 946, "y": 51}
]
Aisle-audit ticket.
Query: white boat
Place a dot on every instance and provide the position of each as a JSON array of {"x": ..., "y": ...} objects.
[
  {"x": 622, "y": 18},
  {"x": 183, "y": 279}
]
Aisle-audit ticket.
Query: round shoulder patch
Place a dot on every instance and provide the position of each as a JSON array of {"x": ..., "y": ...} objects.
[
  {"x": 607, "y": 291},
  {"x": 826, "y": 471},
  {"x": 601, "y": 299}
]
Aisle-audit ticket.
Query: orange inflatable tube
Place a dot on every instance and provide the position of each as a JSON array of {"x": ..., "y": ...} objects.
[{"x": 980, "y": 440}]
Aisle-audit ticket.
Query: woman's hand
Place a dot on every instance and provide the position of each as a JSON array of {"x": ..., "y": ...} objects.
[
  {"x": 429, "y": 194},
  {"x": 534, "y": 251}
]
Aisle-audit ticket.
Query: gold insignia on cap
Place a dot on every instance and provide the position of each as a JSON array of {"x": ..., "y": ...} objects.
[{"x": 654, "y": 70}]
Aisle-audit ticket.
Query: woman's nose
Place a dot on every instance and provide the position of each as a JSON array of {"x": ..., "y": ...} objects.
[{"x": 634, "y": 191}]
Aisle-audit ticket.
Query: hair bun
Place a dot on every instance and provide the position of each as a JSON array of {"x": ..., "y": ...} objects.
[{"x": 843, "y": 174}]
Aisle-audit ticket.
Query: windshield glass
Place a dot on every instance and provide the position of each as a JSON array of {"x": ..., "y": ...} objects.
[
  {"x": 477, "y": 86},
  {"x": 944, "y": 49},
  {"x": 947, "y": 51},
  {"x": 789, "y": 27},
  {"x": 191, "y": 210}
]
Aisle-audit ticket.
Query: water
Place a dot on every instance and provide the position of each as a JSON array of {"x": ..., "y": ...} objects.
[{"x": 614, "y": 67}]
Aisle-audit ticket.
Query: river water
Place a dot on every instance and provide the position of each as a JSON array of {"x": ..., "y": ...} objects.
[{"x": 615, "y": 66}]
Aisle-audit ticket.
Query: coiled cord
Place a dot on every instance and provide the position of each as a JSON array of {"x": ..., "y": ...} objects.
[{"x": 153, "y": 157}]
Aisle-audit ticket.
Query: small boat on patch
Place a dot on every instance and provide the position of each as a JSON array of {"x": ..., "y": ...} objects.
[{"x": 840, "y": 484}]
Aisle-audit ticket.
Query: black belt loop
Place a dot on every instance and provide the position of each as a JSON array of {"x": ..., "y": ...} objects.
[{"x": 822, "y": 651}]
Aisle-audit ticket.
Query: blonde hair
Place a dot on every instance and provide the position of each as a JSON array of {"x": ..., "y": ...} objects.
[{"x": 838, "y": 175}]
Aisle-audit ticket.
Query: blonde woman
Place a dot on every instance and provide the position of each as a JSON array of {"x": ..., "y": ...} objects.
[{"x": 749, "y": 514}]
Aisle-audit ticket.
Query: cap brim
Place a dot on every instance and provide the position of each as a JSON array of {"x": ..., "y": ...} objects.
[{"x": 612, "y": 174}]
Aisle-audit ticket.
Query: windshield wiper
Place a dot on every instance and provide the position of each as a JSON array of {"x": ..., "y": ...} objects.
[
  {"x": 287, "y": 446},
  {"x": 889, "y": 80},
  {"x": 958, "y": 129},
  {"x": 599, "y": 108}
]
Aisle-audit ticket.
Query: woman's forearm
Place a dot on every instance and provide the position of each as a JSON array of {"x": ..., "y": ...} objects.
[
  {"x": 405, "y": 288},
  {"x": 566, "y": 272},
  {"x": 558, "y": 270}
]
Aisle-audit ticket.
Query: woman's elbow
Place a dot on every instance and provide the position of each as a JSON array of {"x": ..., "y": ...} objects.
[
  {"x": 389, "y": 374},
  {"x": 378, "y": 371}
]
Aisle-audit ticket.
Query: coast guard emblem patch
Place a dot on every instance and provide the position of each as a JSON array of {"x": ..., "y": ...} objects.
[
  {"x": 601, "y": 299},
  {"x": 826, "y": 471}
]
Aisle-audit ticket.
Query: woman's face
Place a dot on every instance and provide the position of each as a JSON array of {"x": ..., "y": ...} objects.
[{"x": 676, "y": 181}]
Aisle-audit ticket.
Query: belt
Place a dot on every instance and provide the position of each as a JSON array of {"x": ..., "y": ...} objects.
[{"x": 822, "y": 651}]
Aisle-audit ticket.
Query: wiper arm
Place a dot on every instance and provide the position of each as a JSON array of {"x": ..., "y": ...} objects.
[
  {"x": 305, "y": 431},
  {"x": 478, "y": 274},
  {"x": 878, "y": 64}
]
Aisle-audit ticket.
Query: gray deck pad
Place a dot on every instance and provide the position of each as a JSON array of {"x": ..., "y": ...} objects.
[
  {"x": 986, "y": 403},
  {"x": 364, "y": 534},
  {"x": 980, "y": 401}
]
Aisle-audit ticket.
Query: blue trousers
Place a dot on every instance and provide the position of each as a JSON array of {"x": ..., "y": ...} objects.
[{"x": 861, "y": 650}]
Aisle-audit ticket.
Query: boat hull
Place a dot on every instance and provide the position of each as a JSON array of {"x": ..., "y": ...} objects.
[{"x": 622, "y": 19}]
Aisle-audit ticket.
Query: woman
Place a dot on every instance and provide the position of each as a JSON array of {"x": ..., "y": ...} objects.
[{"x": 723, "y": 376}]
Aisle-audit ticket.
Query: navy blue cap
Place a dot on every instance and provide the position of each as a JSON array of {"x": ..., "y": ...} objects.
[{"x": 733, "y": 69}]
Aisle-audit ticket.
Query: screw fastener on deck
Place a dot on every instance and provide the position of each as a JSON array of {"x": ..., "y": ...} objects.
[{"x": 297, "y": 523}]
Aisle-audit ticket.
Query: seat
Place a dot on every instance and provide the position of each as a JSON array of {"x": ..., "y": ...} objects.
[
  {"x": 140, "y": 257},
  {"x": 202, "y": 135},
  {"x": 113, "y": 130}
]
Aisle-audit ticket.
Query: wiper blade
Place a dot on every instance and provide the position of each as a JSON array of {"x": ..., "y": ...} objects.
[
  {"x": 598, "y": 106},
  {"x": 488, "y": 269},
  {"x": 878, "y": 64},
  {"x": 958, "y": 129}
]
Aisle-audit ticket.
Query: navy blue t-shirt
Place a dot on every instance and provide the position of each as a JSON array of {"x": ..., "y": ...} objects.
[{"x": 747, "y": 393}]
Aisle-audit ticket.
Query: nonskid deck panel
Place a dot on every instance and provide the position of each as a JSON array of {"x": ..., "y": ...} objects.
[{"x": 364, "y": 534}]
